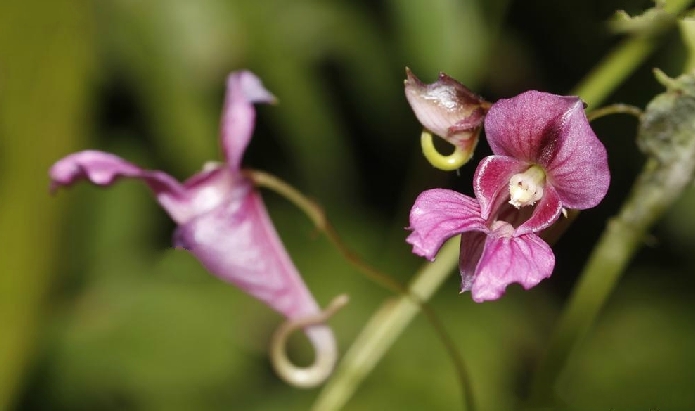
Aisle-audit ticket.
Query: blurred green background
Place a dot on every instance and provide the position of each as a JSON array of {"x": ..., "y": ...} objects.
[{"x": 97, "y": 312}]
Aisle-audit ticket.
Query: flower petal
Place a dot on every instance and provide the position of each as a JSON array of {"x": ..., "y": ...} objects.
[
  {"x": 472, "y": 246},
  {"x": 238, "y": 118},
  {"x": 439, "y": 214},
  {"x": 197, "y": 195},
  {"x": 491, "y": 181},
  {"x": 527, "y": 127},
  {"x": 104, "y": 169},
  {"x": 525, "y": 260},
  {"x": 579, "y": 170},
  {"x": 238, "y": 243},
  {"x": 545, "y": 213}
]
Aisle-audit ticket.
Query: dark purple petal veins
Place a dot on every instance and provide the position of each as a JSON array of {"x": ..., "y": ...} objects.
[
  {"x": 579, "y": 170},
  {"x": 472, "y": 245},
  {"x": 439, "y": 214},
  {"x": 528, "y": 126}
]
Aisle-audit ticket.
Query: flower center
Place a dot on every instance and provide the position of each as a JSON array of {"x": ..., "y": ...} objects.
[
  {"x": 502, "y": 229},
  {"x": 526, "y": 188}
]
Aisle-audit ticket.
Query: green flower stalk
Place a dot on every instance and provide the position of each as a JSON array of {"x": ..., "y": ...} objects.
[{"x": 667, "y": 136}]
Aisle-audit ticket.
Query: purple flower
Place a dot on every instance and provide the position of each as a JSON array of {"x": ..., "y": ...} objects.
[
  {"x": 546, "y": 159},
  {"x": 545, "y": 153},
  {"x": 221, "y": 217},
  {"x": 494, "y": 253}
]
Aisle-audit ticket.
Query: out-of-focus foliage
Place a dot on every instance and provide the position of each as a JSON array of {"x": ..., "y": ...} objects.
[{"x": 98, "y": 312}]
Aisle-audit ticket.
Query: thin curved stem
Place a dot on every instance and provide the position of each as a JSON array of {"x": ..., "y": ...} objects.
[
  {"x": 384, "y": 328},
  {"x": 617, "y": 66},
  {"x": 422, "y": 287},
  {"x": 318, "y": 217},
  {"x": 614, "y": 109},
  {"x": 617, "y": 244},
  {"x": 621, "y": 62},
  {"x": 325, "y": 349},
  {"x": 451, "y": 162},
  {"x": 656, "y": 188}
]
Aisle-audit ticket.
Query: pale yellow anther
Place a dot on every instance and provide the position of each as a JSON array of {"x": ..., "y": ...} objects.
[{"x": 526, "y": 188}]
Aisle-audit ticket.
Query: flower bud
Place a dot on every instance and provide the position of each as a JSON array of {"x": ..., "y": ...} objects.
[{"x": 447, "y": 108}]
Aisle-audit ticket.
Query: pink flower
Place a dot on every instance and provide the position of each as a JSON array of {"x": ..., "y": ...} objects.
[
  {"x": 546, "y": 159},
  {"x": 221, "y": 217},
  {"x": 494, "y": 253},
  {"x": 545, "y": 153}
]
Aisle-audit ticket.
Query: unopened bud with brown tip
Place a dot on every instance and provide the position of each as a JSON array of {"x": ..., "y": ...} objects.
[{"x": 447, "y": 108}]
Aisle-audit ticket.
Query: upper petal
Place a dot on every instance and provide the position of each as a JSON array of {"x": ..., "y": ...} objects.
[
  {"x": 491, "y": 181},
  {"x": 579, "y": 170},
  {"x": 238, "y": 243},
  {"x": 238, "y": 117},
  {"x": 439, "y": 214},
  {"x": 528, "y": 126},
  {"x": 524, "y": 259}
]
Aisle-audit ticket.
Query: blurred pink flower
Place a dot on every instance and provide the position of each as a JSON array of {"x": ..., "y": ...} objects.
[{"x": 221, "y": 218}]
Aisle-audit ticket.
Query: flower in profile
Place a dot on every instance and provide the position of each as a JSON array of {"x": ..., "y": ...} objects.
[
  {"x": 221, "y": 218},
  {"x": 449, "y": 110},
  {"x": 494, "y": 254},
  {"x": 545, "y": 155}
]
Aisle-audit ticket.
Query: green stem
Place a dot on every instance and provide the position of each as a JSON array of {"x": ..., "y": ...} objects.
[
  {"x": 614, "y": 109},
  {"x": 655, "y": 190},
  {"x": 387, "y": 324},
  {"x": 315, "y": 213},
  {"x": 620, "y": 63},
  {"x": 622, "y": 236},
  {"x": 423, "y": 286},
  {"x": 383, "y": 330},
  {"x": 611, "y": 72}
]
